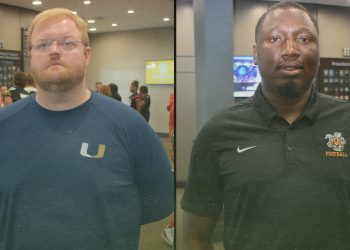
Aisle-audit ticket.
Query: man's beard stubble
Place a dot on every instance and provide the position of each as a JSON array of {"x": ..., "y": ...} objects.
[
  {"x": 290, "y": 90},
  {"x": 66, "y": 81}
]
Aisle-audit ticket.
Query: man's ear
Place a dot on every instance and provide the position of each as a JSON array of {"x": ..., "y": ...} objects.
[
  {"x": 87, "y": 54},
  {"x": 255, "y": 55}
]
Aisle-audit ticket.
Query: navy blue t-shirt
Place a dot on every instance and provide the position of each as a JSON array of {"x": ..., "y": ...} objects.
[{"x": 84, "y": 178}]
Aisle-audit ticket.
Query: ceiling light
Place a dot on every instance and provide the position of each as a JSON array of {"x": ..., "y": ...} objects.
[
  {"x": 166, "y": 19},
  {"x": 131, "y": 11},
  {"x": 92, "y": 29},
  {"x": 91, "y": 21},
  {"x": 87, "y": 2},
  {"x": 36, "y": 2},
  {"x": 74, "y": 12},
  {"x": 114, "y": 24}
]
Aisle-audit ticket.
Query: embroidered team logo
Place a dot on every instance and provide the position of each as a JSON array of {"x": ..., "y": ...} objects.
[
  {"x": 100, "y": 151},
  {"x": 337, "y": 143}
]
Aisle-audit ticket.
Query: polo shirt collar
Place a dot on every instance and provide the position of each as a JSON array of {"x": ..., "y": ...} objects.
[{"x": 267, "y": 113}]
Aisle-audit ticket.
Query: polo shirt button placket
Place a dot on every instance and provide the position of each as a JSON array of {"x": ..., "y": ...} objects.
[{"x": 290, "y": 157}]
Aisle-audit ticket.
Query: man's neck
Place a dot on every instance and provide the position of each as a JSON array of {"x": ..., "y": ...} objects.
[
  {"x": 63, "y": 101},
  {"x": 288, "y": 108}
]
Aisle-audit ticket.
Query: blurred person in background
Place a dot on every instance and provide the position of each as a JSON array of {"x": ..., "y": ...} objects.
[
  {"x": 98, "y": 86},
  {"x": 19, "y": 82},
  {"x": 5, "y": 96},
  {"x": 171, "y": 109},
  {"x": 105, "y": 90},
  {"x": 30, "y": 84},
  {"x": 3, "y": 92},
  {"x": 168, "y": 232},
  {"x": 144, "y": 102},
  {"x": 114, "y": 89},
  {"x": 134, "y": 97}
]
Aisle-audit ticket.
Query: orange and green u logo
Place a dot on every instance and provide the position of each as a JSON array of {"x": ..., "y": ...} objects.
[{"x": 100, "y": 152}]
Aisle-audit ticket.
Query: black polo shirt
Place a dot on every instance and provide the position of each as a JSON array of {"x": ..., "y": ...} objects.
[{"x": 281, "y": 186}]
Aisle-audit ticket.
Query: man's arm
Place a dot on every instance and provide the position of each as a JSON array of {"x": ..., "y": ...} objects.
[
  {"x": 198, "y": 231},
  {"x": 152, "y": 173}
]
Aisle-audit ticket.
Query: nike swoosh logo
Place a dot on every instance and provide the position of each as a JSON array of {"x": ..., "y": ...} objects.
[{"x": 241, "y": 150}]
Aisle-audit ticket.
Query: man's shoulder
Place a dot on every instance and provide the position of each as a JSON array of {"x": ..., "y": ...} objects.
[
  {"x": 242, "y": 105},
  {"x": 237, "y": 111},
  {"x": 228, "y": 118},
  {"x": 330, "y": 103},
  {"x": 331, "y": 99},
  {"x": 109, "y": 105},
  {"x": 14, "y": 108},
  {"x": 116, "y": 111}
]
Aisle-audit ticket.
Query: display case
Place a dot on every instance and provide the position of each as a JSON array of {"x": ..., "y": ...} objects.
[
  {"x": 10, "y": 62},
  {"x": 334, "y": 77}
]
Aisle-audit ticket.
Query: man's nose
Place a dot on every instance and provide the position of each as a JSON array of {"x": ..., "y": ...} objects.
[
  {"x": 291, "y": 48},
  {"x": 55, "y": 48}
]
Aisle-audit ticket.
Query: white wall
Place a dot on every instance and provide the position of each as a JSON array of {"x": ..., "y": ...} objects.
[
  {"x": 12, "y": 19},
  {"x": 334, "y": 30},
  {"x": 246, "y": 15},
  {"x": 120, "y": 57}
]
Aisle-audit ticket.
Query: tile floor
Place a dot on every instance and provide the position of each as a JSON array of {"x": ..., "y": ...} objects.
[{"x": 150, "y": 238}]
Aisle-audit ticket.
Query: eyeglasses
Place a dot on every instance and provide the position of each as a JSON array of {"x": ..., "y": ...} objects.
[{"x": 65, "y": 45}]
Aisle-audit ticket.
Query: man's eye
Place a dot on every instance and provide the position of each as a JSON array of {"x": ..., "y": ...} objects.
[
  {"x": 303, "y": 40},
  {"x": 68, "y": 44},
  {"x": 43, "y": 45},
  {"x": 274, "y": 39}
]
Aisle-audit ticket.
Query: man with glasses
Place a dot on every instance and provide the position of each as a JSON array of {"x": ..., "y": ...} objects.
[{"x": 74, "y": 174}]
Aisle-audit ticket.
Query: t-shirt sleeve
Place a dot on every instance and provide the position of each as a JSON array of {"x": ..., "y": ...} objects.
[
  {"x": 203, "y": 192},
  {"x": 154, "y": 178}
]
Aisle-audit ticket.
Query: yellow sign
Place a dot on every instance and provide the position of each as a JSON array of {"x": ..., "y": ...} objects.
[{"x": 160, "y": 72}]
